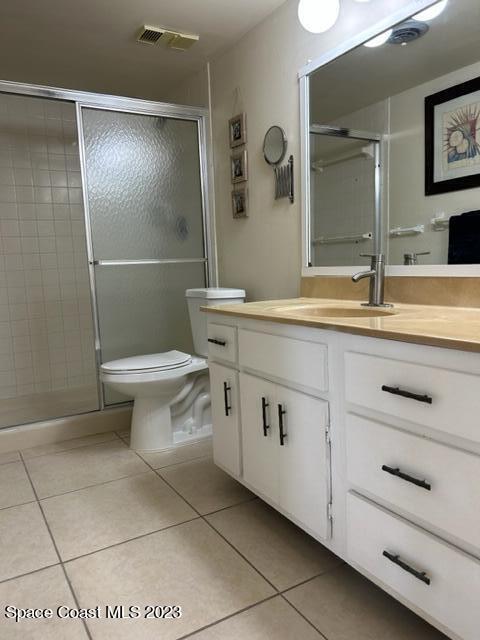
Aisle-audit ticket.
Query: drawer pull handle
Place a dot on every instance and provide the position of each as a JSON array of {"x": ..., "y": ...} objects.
[
  {"x": 266, "y": 426},
  {"x": 404, "y": 476},
  {"x": 420, "y": 575},
  {"x": 220, "y": 343},
  {"x": 226, "y": 389},
  {"x": 283, "y": 435},
  {"x": 396, "y": 391}
]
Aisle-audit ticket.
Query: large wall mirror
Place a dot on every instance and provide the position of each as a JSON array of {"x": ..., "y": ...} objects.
[{"x": 392, "y": 142}]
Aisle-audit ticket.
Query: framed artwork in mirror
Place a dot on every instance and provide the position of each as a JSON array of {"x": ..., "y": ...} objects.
[
  {"x": 240, "y": 202},
  {"x": 237, "y": 127},
  {"x": 238, "y": 166},
  {"x": 452, "y": 139}
]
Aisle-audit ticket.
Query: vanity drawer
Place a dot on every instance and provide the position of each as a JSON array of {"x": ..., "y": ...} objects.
[
  {"x": 437, "y": 398},
  {"x": 452, "y": 595},
  {"x": 448, "y": 491},
  {"x": 296, "y": 361},
  {"x": 222, "y": 342}
]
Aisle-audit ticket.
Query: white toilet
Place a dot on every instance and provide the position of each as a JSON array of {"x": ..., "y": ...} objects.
[{"x": 171, "y": 390}]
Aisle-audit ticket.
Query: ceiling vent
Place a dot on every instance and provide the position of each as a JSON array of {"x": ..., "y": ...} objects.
[
  {"x": 150, "y": 35},
  {"x": 167, "y": 37},
  {"x": 408, "y": 32}
]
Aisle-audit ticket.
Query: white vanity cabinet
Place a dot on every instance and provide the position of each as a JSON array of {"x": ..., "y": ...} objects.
[
  {"x": 413, "y": 476},
  {"x": 285, "y": 450},
  {"x": 370, "y": 445},
  {"x": 224, "y": 391},
  {"x": 270, "y": 427}
]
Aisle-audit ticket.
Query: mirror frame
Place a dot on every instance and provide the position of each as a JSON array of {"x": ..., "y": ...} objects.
[
  {"x": 284, "y": 145},
  {"x": 434, "y": 270}
]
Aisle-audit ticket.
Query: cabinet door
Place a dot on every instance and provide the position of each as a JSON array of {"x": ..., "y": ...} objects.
[
  {"x": 259, "y": 435},
  {"x": 304, "y": 459},
  {"x": 225, "y": 417}
]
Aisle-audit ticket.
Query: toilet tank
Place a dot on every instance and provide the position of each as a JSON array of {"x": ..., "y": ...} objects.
[{"x": 208, "y": 297}]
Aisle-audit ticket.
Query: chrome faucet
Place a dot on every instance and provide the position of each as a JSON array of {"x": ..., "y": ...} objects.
[{"x": 376, "y": 273}]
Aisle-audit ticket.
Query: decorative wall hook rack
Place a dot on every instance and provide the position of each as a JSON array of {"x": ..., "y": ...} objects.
[{"x": 284, "y": 181}]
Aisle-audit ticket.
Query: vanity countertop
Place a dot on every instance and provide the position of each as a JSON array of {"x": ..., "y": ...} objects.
[{"x": 450, "y": 327}]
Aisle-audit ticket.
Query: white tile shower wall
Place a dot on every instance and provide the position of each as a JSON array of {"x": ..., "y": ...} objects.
[
  {"x": 343, "y": 197},
  {"x": 46, "y": 334}
]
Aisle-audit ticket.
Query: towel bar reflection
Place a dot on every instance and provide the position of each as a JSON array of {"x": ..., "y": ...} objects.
[{"x": 359, "y": 237}]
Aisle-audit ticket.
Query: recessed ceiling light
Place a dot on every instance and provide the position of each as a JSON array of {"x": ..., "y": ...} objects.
[
  {"x": 316, "y": 16},
  {"x": 432, "y": 12}
]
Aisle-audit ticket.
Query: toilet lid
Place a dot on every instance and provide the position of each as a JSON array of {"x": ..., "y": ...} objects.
[{"x": 150, "y": 362}]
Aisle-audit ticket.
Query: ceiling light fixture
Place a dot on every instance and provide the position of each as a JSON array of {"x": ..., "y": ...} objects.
[
  {"x": 318, "y": 16},
  {"x": 432, "y": 12},
  {"x": 379, "y": 40}
]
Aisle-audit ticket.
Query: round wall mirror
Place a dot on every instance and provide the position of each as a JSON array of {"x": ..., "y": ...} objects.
[{"x": 274, "y": 145}]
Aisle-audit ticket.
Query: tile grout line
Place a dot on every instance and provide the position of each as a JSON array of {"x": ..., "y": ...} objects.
[
  {"x": 74, "y": 595},
  {"x": 280, "y": 594},
  {"x": 98, "y": 484},
  {"x": 139, "y": 537},
  {"x": 173, "y": 464},
  {"x": 303, "y": 616},
  {"x": 317, "y": 575},
  {"x": 213, "y": 528},
  {"x": 300, "y": 584},
  {"x": 199, "y": 516},
  {"x": 20, "y": 504},
  {"x": 237, "y": 504},
  {"x": 54, "y": 453},
  {"x": 231, "y": 615},
  {"x": 28, "y": 573}
]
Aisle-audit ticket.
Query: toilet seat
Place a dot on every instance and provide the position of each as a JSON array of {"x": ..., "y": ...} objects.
[
  {"x": 149, "y": 363},
  {"x": 120, "y": 375}
]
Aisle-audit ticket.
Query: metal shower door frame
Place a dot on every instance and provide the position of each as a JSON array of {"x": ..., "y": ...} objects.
[
  {"x": 352, "y": 134},
  {"x": 87, "y": 100}
]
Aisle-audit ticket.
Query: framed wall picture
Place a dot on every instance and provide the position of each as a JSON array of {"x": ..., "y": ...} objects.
[
  {"x": 238, "y": 166},
  {"x": 237, "y": 128},
  {"x": 240, "y": 202},
  {"x": 452, "y": 139}
]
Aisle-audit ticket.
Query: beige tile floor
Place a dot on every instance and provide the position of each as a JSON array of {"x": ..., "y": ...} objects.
[{"x": 88, "y": 523}]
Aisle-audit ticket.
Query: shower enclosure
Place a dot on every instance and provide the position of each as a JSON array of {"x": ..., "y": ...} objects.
[{"x": 104, "y": 222}]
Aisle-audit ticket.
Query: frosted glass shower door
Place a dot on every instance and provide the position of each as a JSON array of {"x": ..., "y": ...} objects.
[{"x": 145, "y": 204}]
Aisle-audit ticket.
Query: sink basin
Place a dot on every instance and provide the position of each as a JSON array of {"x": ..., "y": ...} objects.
[{"x": 320, "y": 311}]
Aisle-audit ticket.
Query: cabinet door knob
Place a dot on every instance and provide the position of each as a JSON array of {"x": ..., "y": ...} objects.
[
  {"x": 395, "y": 558},
  {"x": 266, "y": 426},
  {"x": 396, "y": 391},
  {"x": 283, "y": 435},
  {"x": 226, "y": 389},
  {"x": 405, "y": 476}
]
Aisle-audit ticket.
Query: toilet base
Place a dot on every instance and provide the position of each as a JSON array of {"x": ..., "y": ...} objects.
[
  {"x": 157, "y": 426},
  {"x": 151, "y": 425}
]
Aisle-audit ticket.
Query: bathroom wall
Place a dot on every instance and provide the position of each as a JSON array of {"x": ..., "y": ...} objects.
[
  {"x": 47, "y": 364},
  {"x": 259, "y": 76},
  {"x": 193, "y": 91}
]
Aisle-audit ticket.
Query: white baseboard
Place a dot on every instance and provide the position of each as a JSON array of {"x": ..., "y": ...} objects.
[{"x": 30, "y": 435}]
